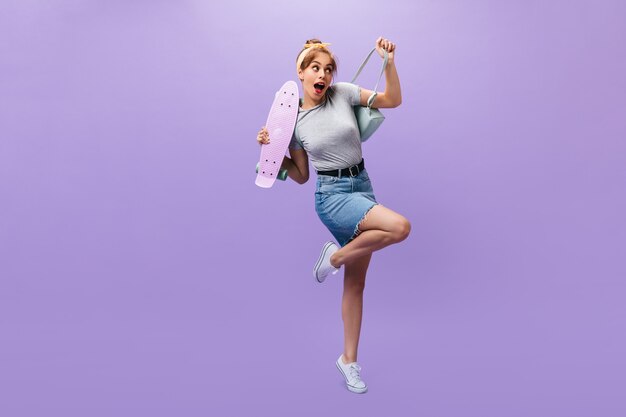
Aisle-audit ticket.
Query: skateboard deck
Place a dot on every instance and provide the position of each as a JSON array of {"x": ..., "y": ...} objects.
[
  {"x": 282, "y": 174},
  {"x": 281, "y": 122}
]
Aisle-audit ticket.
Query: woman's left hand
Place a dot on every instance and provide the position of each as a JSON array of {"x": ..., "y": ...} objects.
[{"x": 386, "y": 44}]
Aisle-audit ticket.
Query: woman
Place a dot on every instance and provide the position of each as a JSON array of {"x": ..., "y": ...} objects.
[{"x": 328, "y": 134}]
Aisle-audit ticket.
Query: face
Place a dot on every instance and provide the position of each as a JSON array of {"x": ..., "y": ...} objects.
[{"x": 317, "y": 77}]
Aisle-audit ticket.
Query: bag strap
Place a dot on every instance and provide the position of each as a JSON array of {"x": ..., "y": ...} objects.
[{"x": 382, "y": 70}]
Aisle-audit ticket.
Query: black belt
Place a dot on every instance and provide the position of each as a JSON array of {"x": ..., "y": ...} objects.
[{"x": 352, "y": 171}]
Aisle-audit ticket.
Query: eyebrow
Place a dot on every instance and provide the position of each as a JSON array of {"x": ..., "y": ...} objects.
[{"x": 319, "y": 63}]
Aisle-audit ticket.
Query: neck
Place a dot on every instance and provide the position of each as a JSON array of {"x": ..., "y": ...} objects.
[{"x": 309, "y": 102}]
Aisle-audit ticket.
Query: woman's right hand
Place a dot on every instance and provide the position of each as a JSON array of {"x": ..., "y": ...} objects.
[{"x": 263, "y": 137}]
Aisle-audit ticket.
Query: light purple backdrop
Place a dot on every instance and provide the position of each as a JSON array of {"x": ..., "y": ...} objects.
[{"x": 132, "y": 278}]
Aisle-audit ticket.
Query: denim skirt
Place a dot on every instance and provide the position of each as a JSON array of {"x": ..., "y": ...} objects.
[{"x": 342, "y": 202}]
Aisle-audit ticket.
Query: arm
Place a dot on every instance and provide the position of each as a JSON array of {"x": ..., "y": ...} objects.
[
  {"x": 392, "y": 96},
  {"x": 297, "y": 166}
]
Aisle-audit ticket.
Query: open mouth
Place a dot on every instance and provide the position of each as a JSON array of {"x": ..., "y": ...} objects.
[{"x": 319, "y": 87}]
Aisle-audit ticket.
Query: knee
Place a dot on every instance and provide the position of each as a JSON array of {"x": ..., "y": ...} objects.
[{"x": 402, "y": 229}]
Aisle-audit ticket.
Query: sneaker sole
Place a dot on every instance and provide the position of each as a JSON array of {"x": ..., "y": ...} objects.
[
  {"x": 350, "y": 387},
  {"x": 319, "y": 261}
]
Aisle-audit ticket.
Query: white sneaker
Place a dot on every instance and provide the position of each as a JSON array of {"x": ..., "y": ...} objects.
[
  {"x": 352, "y": 373},
  {"x": 322, "y": 266}
]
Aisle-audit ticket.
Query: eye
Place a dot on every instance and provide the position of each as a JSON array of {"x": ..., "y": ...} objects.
[
  {"x": 315, "y": 67},
  {"x": 328, "y": 70}
]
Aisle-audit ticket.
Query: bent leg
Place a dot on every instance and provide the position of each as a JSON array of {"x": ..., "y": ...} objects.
[
  {"x": 380, "y": 228},
  {"x": 352, "y": 305}
]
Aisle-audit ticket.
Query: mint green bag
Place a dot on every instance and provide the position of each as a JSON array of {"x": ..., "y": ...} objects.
[{"x": 367, "y": 118}]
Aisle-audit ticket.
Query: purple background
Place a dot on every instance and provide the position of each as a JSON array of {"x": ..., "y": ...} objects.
[{"x": 135, "y": 275}]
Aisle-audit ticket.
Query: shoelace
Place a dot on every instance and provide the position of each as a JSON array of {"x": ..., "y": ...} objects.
[{"x": 355, "y": 370}]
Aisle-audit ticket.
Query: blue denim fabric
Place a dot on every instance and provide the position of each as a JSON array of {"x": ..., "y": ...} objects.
[{"x": 341, "y": 204}]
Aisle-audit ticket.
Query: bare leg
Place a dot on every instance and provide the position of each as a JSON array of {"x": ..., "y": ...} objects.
[
  {"x": 352, "y": 305},
  {"x": 381, "y": 228}
]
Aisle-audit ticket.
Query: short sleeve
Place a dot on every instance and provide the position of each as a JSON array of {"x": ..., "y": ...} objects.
[
  {"x": 295, "y": 144},
  {"x": 351, "y": 92}
]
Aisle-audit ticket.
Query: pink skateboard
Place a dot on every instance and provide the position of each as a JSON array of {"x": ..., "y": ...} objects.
[{"x": 280, "y": 125}]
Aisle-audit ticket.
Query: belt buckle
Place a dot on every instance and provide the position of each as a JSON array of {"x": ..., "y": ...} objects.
[{"x": 350, "y": 170}]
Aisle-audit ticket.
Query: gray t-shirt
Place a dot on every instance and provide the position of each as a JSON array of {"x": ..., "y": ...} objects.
[{"x": 328, "y": 132}]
